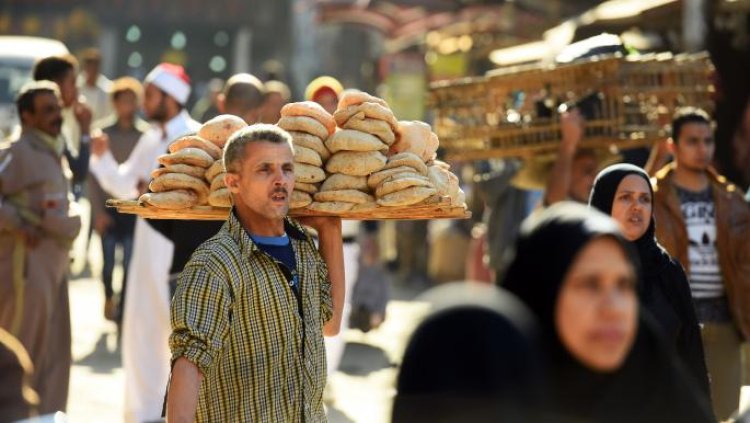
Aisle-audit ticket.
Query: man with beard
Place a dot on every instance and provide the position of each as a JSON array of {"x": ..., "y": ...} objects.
[
  {"x": 37, "y": 230},
  {"x": 704, "y": 223},
  {"x": 146, "y": 317},
  {"x": 254, "y": 302}
]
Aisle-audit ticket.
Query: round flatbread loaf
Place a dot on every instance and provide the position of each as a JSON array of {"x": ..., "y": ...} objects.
[
  {"x": 220, "y": 198},
  {"x": 407, "y": 197},
  {"x": 194, "y": 141},
  {"x": 330, "y": 207},
  {"x": 189, "y": 156},
  {"x": 356, "y": 163},
  {"x": 346, "y": 196},
  {"x": 171, "y": 200},
  {"x": 352, "y": 140},
  {"x": 365, "y": 207},
  {"x": 355, "y": 97},
  {"x": 440, "y": 180},
  {"x": 407, "y": 159},
  {"x": 339, "y": 181},
  {"x": 304, "y": 187},
  {"x": 303, "y": 124},
  {"x": 376, "y": 178},
  {"x": 414, "y": 137},
  {"x": 370, "y": 110},
  {"x": 307, "y": 156},
  {"x": 218, "y": 182},
  {"x": 310, "y": 109},
  {"x": 399, "y": 183},
  {"x": 312, "y": 142},
  {"x": 175, "y": 181},
  {"x": 299, "y": 200},
  {"x": 179, "y": 168},
  {"x": 379, "y": 128},
  {"x": 308, "y": 174},
  {"x": 219, "y": 129},
  {"x": 215, "y": 169}
]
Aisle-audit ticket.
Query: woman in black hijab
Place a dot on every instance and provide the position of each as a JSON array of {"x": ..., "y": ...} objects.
[
  {"x": 624, "y": 192},
  {"x": 473, "y": 359},
  {"x": 606, "y": 362}
]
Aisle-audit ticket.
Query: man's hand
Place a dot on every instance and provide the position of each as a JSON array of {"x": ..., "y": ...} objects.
[
  {"x": 322, "y": 223},
  {"x": 102, "y": 222},
  {"x": 83, "y": 115},
  {"x": 571, "y": 127},
  {"x": 99, "y": 144}
]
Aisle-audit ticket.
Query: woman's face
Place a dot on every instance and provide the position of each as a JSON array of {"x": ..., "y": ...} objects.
[
  {"x": 631, "y": 207},
  {"x": 597, "y": 308}
]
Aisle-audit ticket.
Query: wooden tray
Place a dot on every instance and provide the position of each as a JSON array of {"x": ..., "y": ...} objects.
[{"x": 437, "y": 209}]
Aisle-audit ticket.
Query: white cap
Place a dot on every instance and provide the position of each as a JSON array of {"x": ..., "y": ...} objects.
[{"x": 171, "y": 79}]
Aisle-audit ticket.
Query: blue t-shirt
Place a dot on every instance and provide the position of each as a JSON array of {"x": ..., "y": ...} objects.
[{"x": 280, "y": 249}]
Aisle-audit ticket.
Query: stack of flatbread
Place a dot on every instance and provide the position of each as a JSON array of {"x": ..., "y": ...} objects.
[
  {"x": 404, "y": 181},
  {"x": 310, "y": 126},
  {"x": 446, "y": 183},
  {"x": 358, "y": 149},
  {"x": 192, "y": 172}
]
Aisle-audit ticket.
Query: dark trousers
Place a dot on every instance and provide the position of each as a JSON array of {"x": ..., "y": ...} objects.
[{"x": 110, "y": 241}]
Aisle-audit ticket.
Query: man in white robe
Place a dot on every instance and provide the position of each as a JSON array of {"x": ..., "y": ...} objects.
[{"x": 146, "y": 327}]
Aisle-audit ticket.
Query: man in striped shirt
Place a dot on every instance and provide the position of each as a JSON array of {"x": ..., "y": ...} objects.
[
  {"x": 253, "y": 303},
  {"x": 702, "y": 221}
]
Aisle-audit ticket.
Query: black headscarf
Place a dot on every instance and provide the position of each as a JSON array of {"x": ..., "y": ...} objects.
[
  {"x": 664, "y": 288},
  {"x": 648, "y": 387},
  {"x": 652, "y": 256},
  {"x": 474, "y": 358}
]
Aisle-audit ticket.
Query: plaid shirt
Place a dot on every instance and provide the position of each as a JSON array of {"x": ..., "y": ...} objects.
[{"x": 236, "y": 317}]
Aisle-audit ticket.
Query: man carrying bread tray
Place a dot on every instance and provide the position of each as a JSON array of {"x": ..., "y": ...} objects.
[{"x": 253, "y": 303}]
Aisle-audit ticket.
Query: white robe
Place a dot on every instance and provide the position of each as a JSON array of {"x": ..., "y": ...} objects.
[{"x": 146, "y": 326}]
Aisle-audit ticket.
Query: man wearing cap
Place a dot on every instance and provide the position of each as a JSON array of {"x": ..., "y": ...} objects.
[{"x": 146, "y": 317}]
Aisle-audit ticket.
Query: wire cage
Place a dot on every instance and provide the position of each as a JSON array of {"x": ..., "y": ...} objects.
[{"x": 514, "y": 112}]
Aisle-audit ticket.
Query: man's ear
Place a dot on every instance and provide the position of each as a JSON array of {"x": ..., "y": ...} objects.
[
  {"x": 232, "y": 181},
  {"x": 671, "y": 145},
  {"x": 221, "y": 100}
]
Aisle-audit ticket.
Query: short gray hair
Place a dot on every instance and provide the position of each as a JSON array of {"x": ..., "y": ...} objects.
[{"x": 234, "y": 150}]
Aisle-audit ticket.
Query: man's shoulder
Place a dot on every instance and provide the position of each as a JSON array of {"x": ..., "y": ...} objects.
[{"x": 218, "y": 248}]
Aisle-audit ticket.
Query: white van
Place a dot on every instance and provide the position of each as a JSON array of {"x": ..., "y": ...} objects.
[{"x": 17, "y": 57}]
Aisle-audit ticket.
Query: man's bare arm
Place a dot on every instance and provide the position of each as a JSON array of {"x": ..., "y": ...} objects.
[
  {"x": 182, "y": 400},
  {"x": 331, "y": 248},
  {"x": 558, "y": 184}
]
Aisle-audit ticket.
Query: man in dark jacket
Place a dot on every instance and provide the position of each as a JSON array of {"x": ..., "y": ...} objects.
[{"x": 704, "y": 223}]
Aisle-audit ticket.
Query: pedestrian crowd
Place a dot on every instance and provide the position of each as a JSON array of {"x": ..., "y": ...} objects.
[{"x": 594, "y": 290}]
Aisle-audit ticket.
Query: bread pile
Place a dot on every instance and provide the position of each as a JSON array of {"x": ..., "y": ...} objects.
[
  {"x": 358, "y": 149},
  {"x": 309, "y": 125},
  {"x": 404, "y": 180},
  {"x": 192, "y": 173}
]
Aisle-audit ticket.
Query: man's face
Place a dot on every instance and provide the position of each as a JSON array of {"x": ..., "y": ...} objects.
[
  {"x": 126, "y": 105},
  {"x": 68, "y": 88},
  {"x": 583, "y": 173},
  {"x": 155, "y": 103},
  {"x": 694, "y": 150},
  {"x": 47, "y": 116},
  {"x": 265, "y": 180},
  {"x": 328, "y": 100}
]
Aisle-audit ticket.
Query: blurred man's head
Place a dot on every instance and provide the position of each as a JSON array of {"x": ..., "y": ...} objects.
[
  {"x": 582, "y": 174},
  {"x": 91, "y": 61},
  {"x": 40, "y": 108},
  {"x": 126, "y": 95},
  {"x": 692, "y": 139},
  {"x": 167, "y": 89},
  {"x": 62, "y": 71},
  {"x": 277, "y": 95},
  {"x": 243, "y": 97}
]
